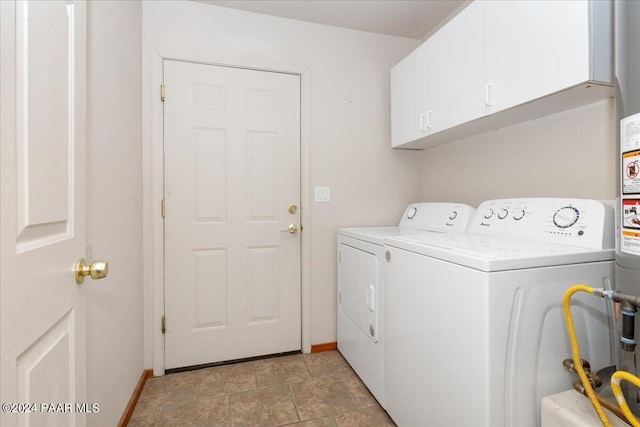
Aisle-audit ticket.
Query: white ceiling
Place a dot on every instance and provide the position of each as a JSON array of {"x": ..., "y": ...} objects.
[{"x": 413, "y": 19}]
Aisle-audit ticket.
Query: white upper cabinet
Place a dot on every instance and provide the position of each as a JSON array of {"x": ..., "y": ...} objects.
[
  {"x": 501, "y": 62},
  {"x": 534, "y": 48},
  {"x": 456, "y": 70},
  {"x": 409, "y": 111}
]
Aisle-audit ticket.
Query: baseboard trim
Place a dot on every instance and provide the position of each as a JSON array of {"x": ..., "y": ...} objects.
[
  {"x": 318, "y": 348},
  {"x": 128, "y": 411}
]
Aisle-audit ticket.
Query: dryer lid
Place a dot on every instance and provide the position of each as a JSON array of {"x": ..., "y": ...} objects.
[{"x": 376, "y": 235}]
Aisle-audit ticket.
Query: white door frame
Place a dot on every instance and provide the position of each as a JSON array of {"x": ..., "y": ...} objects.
[{"x": 154, "y": 244}]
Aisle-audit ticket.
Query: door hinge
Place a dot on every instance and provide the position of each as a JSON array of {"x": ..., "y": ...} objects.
[
  {"x": 164, "y": 324},
  {"x": 162, "y": 92},
  {"x": 162, "y": 210}
]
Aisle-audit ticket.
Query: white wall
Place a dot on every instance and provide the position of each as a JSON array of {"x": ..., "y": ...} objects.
[
  {"x": 570, "y": 154},
  {"x": 349, "y": 123},
  {"x": 114, "y": 207}
]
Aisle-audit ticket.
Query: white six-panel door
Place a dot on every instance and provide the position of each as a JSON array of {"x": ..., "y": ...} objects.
[
  {"x": 232, "y": 170},
  {"x": 42, "y": 338}
]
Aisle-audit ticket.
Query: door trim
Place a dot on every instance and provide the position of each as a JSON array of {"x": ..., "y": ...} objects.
[{"x": 153, "y": 191}]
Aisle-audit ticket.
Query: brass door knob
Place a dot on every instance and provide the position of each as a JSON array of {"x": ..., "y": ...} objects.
[
  {"x": 97, "y": 270},
  {"x": 293, "y": 228}
]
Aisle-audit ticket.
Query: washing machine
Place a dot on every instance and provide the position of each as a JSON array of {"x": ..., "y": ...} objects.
[
  {"x": 360, "y": 284},
  {"x": 474, "y": 329}
]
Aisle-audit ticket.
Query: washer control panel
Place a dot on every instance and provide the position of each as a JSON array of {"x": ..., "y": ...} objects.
[
  {"x": 437, "y": 216},
  {"x": 576, "y": 222}
]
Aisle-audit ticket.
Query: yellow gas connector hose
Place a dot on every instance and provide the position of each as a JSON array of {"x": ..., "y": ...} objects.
[
  {"x": 575, "y": 351},
  {"x": 616, "y": 379}
]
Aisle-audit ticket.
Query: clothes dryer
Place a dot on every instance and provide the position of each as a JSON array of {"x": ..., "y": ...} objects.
[
  {"x": 361, "y": 286},
  {"x": 474, "y": 331}
]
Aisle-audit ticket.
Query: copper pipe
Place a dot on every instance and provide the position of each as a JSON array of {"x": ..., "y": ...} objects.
[
  {"x": 568, "y": 365},
  {"x": 594, "y": 379},
  {"x": 577, "y": 385}
]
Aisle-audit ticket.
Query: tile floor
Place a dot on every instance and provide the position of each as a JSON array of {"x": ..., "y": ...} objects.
[{"x": 311, "y": 390}]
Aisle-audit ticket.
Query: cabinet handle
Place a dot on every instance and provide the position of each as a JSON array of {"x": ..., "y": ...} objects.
[
  {"x": 429, "y": 125},
  {"x": 487, "y": 94},
  {"x": 422, "y": 128}
]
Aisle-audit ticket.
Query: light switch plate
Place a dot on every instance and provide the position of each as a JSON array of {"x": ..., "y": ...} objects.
[{"x": 323, "y": 194}]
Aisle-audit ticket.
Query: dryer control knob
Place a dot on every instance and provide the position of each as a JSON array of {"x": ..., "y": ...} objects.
[
  {"x": 488, "y": 214},
  {"x": 503, "y": 213},
  {"x": 453, "y": 215},
  {"x": 412, "y": 212}
]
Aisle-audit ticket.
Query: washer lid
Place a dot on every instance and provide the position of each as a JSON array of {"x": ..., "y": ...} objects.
[{"x": 490, "y": 253}]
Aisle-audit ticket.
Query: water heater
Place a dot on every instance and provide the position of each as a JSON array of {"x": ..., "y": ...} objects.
[{"x": 627, "y": 103}]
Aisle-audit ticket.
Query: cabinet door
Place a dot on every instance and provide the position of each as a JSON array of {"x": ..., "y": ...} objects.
[
  {"x": 408, "y": 98},
  {"x": 534, "y": 48},
  {"x": 456, "y": 70}
]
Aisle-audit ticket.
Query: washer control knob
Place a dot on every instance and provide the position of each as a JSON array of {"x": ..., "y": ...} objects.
[
  {"x": 453, "y": 215},
  {"x": 411, "y": 213},
  {"x": 503, "y": 213},
  {"x": 565, "y": 217},
  {"x": 518, "y": 215},
  {"x": 488, "y": 214}
]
